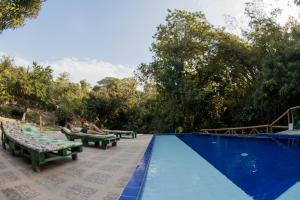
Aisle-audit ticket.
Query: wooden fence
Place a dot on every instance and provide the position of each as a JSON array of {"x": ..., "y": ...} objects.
[{"x": 267, "y": 128}]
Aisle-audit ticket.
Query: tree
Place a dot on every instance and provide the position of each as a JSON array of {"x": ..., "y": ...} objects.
[
  {"x": 13, "y": 13},
  {"x": 148, "y": 115},
  {"x": 69, "y": 98},
  {"x": 199, "y": 71},
  {"x": 277, "y": 85},
  {"x": 6, "y": 66},
  {"x": 31, "y": 87},
  {"x": 112, "y": 102},
  {"x": 201, "y": 76}
]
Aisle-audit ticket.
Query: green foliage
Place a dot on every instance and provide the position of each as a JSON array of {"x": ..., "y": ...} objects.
[
  {"x": 206, "y": 77},
  {"x": 11, "y": 112},
  {"x": 30, "y": 88},
  {"x": 6, "y": 66},
  {"x": 201, "y": 76},
  {"x": 112, "y": 102},
  {"x": 13, "y": 13},
  {"x": 198, "y": 70},
  {"x": 278, "y": 83},
  {"x": 34, "y": 88},
  {"x": 69, "y": 98}
]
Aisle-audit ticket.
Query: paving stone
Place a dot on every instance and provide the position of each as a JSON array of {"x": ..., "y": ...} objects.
[
  {"x": 74, "y": 172},
  {"x": 88, "y": 163},
  {"x": 79, "y": 191},
  {"x": 97, "y": 174},
  {"x": 52, "y": 180},
  {"x": 121, "y": 183},
  {"x": 7, "y": 177},
  {"x": 100, "y": 158},
  {"x": 2, "y": 166},
  {"x": 20, "y": 192},
  {"x": 98, "y": 178},
  {"x": 111, "y": 196},
  {"x": 111, "y": 167}
]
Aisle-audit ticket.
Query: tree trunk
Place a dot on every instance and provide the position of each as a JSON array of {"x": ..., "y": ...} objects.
[
  {"x": 24, "y": 114},
  {"x": 41, "y": 122}
]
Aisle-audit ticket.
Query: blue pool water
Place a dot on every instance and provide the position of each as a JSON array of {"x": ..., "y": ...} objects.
[
  {"x": 270, "y": 168},
  {"x": 213, "y": 167},
  {"x": 178, "y": 172}
]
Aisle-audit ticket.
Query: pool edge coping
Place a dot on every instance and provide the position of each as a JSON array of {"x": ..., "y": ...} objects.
[{"x": 140, "y": 174}]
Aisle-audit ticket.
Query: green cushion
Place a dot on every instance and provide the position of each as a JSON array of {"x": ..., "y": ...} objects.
[
  {"x": 34, "y": 139},
  {"x": 29, "y": 128}
]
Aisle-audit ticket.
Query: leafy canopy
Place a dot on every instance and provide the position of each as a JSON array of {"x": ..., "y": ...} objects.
[{"x": 13, "y": 13}]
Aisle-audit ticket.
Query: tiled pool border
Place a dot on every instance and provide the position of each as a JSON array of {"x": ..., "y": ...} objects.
[{"x": 134, "y": 187}]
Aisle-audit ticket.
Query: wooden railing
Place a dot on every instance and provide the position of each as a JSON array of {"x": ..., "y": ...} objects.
[
  {"x": 267, "y": 128},
  {"x": 245, "y": 130}
]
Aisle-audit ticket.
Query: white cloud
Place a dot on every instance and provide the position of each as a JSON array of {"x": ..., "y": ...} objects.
[
  {"x": 231, "y": 12},
  {"x": 289, "y": 9},
  {"x": 89, "y": 69}
]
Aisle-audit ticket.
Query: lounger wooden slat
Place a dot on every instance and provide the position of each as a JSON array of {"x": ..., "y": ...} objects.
[
  {"x": 40, "y": 148},
  {"x": 104, "y": 140}
]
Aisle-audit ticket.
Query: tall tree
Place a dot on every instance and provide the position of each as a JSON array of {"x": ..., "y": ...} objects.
[
  {"x": 197, "y": 68},
  {"x": 13, "y": 13},
  {"x": 69, "y": 97},
  {"x": 112, "y": 101},
  {"x": 6, "y": 67},
  {"x": 31, "y": 87}
]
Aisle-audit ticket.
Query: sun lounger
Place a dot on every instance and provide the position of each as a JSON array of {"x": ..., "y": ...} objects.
[
  {"x": 105, "y": 140},
  {"x": 39, "y": 147},
  {"x": 119, "y": 133}
]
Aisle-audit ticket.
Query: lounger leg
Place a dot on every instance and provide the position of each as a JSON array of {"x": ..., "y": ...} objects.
[
  {"x": 35, "y": 166},
  {"x": 11, "y": 148},
  {"x": 12, "y": 152},
  {"x": 3, "y": 141},
  {"x": 76, "y": 150},
  {"x": 84, "y": 142},
  {"x": 74, "y": 156},
  {"x": 97, "y": 143},
  {"x": 35, "y": 160},
  {"x": 114, "y": 144},
  {"x": 104, "y": 145}
]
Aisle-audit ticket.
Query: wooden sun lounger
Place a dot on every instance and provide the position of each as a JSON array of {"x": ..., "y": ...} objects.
[
  {"x": 40, "y": 148},
  {"x": 119, "y": 133},
  {"x": 104, "y": 140}
]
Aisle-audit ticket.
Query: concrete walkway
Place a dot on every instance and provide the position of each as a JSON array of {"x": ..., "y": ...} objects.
[{"x": 96, "y": 175}]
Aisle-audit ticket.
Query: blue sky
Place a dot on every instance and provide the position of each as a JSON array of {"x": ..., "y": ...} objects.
[{"x": 95, "y": 38}]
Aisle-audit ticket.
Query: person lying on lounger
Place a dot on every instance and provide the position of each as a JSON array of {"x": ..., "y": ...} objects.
[{"x": 88, "y": 128}]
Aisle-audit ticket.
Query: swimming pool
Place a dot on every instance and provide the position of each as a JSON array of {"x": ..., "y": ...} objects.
[{"x": 198, "y": 166}]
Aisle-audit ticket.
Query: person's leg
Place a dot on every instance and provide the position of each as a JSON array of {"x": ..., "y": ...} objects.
[
  {"x": 95, "y": 132},
  {"x": 95, "y": 128}
]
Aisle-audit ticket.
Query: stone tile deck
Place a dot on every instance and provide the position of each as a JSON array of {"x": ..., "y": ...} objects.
[{"x": 96, "y": 175}]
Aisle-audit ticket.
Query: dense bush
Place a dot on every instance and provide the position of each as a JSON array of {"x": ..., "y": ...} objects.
[{"x": 11, "y": 112}]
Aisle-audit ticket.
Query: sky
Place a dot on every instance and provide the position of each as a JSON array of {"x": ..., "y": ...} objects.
[{"x": 94, "y": 39}]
